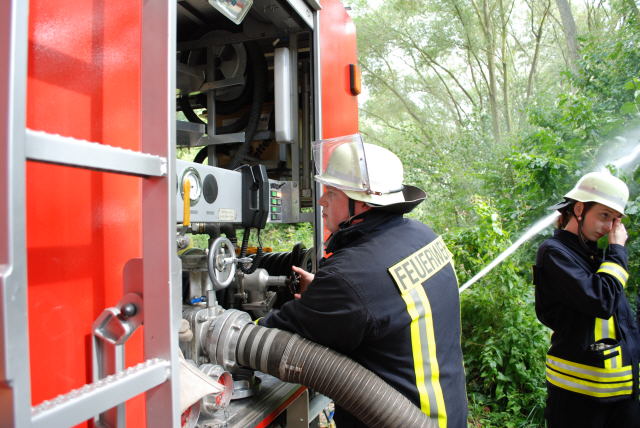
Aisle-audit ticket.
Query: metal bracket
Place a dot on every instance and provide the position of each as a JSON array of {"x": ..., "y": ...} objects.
[{"x": 110, "y": 332}]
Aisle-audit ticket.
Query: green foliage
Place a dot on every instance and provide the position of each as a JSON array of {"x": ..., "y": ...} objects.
[
  {"x": 502, "y": 342},
  {"x": 568, "y": 136},
  {"x": 278, "y": 237},
  {"x": 569, "y": 125},
  {"x": 282, "y": 237},
  {"x": 632, "y": 223}
]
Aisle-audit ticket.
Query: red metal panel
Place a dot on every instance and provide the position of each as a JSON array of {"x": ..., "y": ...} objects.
[
  {"x": 82, "y": 226},
  {"x": 337, "y": 51}
]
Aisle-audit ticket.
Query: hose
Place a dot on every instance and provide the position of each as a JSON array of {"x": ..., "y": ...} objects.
[
  {"x": 243, "y": 252},
  {"x": 249, "y": 121},
  {"x": 292, "y": 358},
  {"x": 279, "y": 263},
  {"x": 259, "y": 64}
]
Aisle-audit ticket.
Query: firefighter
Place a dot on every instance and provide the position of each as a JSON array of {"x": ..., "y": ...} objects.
[
  {"x": 592, "y": 364},
  {"x": 385, "y": 293}
]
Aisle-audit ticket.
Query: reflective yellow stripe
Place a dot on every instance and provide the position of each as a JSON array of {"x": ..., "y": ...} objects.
[
  {"x": 611, "y": 327},
  {"x": 604, "y": 329},
  {"x": 613, "y": 362},
  {"x": 433, "y": 359},
  {"x": 598, "y": 374},
  {"x": 423, "y": 345},
  {"x": 616, "y": 271},
  {"x": 409, "y": 274},
  {"x": 589, "y": 388},
  {"x": 416, "y": 346},
  {"x": 597, "y": 329}
]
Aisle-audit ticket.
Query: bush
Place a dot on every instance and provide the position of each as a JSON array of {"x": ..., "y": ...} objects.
[{"x": 503, "y": 344}]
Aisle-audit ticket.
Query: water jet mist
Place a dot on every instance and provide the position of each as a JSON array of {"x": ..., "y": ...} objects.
[{"x": 632, "y": 151}]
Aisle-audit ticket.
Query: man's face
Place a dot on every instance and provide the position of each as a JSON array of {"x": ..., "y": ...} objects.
[
  {"x": 335, "y": 208},
  {"x": 598, "y": 222}
]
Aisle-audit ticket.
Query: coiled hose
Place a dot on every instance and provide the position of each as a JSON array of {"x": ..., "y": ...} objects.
[
  {"x": 250, "y": 120},
  {"x": 279, "y": 263},
  {"x": 292, "y": 358}
]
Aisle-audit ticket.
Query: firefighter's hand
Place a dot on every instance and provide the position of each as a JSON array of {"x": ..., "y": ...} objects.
[
  {"x": 618, "y": 233},
  {"x": 305, "y": 279}
]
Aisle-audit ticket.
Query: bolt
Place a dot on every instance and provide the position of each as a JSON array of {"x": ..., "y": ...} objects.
[{"x": 128, "y": 310}]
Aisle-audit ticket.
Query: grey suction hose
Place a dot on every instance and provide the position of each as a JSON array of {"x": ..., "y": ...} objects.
[{"x": 294, "y": 359}]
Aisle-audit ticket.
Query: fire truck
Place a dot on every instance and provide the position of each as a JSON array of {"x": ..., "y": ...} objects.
[{"x": 107, "y": 309}]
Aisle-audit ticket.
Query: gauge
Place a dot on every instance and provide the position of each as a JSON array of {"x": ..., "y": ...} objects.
[{"x": 195, "y": 185}]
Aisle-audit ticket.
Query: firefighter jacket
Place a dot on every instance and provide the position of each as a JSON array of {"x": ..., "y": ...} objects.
[
  {"x": 387, "y": 297},
  {"x": 580, "y": 295}
]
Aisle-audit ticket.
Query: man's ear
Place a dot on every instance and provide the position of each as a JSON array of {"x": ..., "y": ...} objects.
[{"x": 361, "y": 207}]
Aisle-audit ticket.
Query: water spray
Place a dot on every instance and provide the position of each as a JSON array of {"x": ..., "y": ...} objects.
[
  {"x": 626, "y": 160},
  {"x": 533, "y": 230},
  {"x": 547, "y": 221}
]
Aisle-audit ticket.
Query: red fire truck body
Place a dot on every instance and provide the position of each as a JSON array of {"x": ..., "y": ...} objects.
[{"x": 91, "y": 116}]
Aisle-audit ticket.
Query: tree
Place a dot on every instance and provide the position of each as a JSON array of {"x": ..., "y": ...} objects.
[
  {"x": 451, "y": 78},
  {"x": 537, "y": 32},
  {"x": 429, "y": 71},
  {"x": 570, "y": 33}
]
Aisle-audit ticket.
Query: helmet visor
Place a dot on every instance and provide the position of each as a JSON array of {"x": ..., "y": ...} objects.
[{"x": 340, "y": 162}]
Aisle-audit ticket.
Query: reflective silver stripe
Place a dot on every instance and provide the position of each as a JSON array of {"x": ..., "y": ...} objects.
[
  {"x": 576, "y": 386},
  {"x": 587, "y": 188},
  {"x": 613, "y": 362},
  {"x": 604, "y": 328},
  {"x": 605, "y": 374},
  {"x": 616, "y": 271},
  {"x": 600, "y": 329}
]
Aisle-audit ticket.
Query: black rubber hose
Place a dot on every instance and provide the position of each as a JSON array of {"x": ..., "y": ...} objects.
[
  {"x": 201, "y": 155},
  {"x": 185, "y": 106},
  {"x": 259, "y": 72},
  {"x": 235, "y": 126},
  {"x": 361, "y": 392},
  {"x": 249, "y": 121},
  {"x": 243, "y": 252},
  {"x": 279, "y": 263}
]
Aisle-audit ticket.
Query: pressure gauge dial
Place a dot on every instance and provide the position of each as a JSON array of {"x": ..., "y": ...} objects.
[{"x": 195, "y": 184}]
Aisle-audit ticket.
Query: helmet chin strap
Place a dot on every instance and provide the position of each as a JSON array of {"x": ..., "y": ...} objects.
[
  {"x": 580, "y": 234},
  {"x": 583, "y": 240},
  {"x": 352, "y": 214}
]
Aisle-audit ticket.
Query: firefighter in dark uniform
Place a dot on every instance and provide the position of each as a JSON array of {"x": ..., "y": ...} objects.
[
  {"x": 592, "y": 364},
  {"x": 385, "y": 294}
]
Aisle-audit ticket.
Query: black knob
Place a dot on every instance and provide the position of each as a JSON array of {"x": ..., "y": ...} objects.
[{"x": 129, "y": 310}]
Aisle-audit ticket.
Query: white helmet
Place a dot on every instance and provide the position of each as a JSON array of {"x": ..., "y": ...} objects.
[
  {"x": 603, "y": 188},
  {"x": 365, "y": 172}
]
